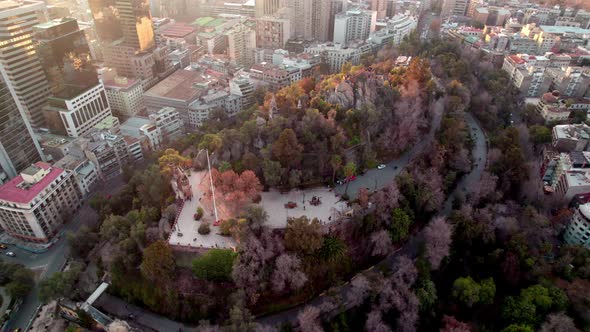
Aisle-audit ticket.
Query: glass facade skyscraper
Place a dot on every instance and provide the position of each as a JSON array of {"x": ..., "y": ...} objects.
[
  {"x": 126, "y": 20},
  {"x": 65, "y": 56},
  {"x": 18, "y": 148},
  {"x": 19, "y": 58}
]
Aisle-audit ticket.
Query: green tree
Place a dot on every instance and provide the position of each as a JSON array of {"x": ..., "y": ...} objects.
[
  {"x": 21, "y": 282},
  {"x": 520, "y": 311},
  {"x": 158, "y": 262},
  {"x": 466, "y": 290},
  {"x": 272, "y": 172},
  {"x": 540, "y": 134},
  {"x": 518, "y": 328},
  {"x": 333, "y": 249},
  {"x": 426, "y": 293},
  {"x": 487, "y": 291},
  {"x": 400, "y": 225},
  {"x": 287, "y": 150},
  {"x": 215, "y": 264},
  {"x": 537, "y": 295},
  {"x": 211, "y": 142},
  {"x": 82, "y": 242},
  {"x": 349, "y": 171},
  {"x": 60, "y": 284},
  {"x": 303, "y": 235}
]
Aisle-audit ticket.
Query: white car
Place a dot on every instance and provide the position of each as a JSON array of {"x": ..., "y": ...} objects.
[
  {"x": 10, "y": 254},
  {"x": 382, "y": 166}
]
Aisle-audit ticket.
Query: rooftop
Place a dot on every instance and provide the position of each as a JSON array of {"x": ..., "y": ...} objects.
[
  {"x": 181, "y": 85},
  {"x": 14, "y": 191},
  {"x": 563, "y": 29},
  {"x": 177, "y": 30},
  {"x": 120, "y": 82}
]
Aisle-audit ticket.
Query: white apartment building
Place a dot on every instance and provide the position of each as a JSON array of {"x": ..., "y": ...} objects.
[
  {"x": 241, "y": 43},
  {"x": 85, "y": 172},
  {"x": 125, "y": 95},
  {"x": 24, "y": 72},
  {"x": 336, "y": 55},
  {"x": 76, "y": 115},
  {"x": 397, "y": 28},
  {"x": 169, "y": 122},
  {"x": 356, "y": 24},
  {"x": 578, "y": 230},
  {"x": 36, "y": 203}
]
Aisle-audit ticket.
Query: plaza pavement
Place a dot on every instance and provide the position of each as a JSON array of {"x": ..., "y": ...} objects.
[{"x": 185, "y": 231}]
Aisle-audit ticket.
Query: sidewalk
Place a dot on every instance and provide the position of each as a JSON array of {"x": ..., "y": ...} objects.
[{"x": 35, "y": 248}]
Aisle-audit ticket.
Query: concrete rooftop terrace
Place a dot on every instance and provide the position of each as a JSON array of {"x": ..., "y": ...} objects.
[
  {"x": 12, "y": 191},
  {"x": 181, "y": 85}
]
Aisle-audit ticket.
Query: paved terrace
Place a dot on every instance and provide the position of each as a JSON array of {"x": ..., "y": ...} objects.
[{"x": 185, "y": 231}]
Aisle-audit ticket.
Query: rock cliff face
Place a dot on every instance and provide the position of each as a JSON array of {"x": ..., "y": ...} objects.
[
  {"x": 343, "y": 95},
  {"x": 364, "y": 91}
]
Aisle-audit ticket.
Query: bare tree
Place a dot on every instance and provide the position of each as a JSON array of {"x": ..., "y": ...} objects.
[
  {"x": 438, "y": 241},
  {"x": 287, "y": 273},
  {"x": 381, "y": 243},
  {"x": 359, "y": 291},
  {"x": 558, "y": 322},
  {"x": 309, "y": 320},
  {"x": 375, "y": 323}
]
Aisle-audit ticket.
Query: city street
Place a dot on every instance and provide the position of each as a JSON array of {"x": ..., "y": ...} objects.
[{"x": 54, "y": 259}]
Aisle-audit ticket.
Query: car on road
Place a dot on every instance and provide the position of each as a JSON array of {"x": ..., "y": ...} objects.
[
  {"x": 382, "y": 166},
  {"x": 3, "y": 246},
  {"x": 10, "y": 254},
  {"x": 340, "y": 182}
]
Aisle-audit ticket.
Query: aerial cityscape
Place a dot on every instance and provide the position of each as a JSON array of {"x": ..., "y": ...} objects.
[{"x": 295, "y": 165}]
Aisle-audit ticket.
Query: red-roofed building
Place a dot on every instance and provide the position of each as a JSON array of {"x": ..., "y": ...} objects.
[{"x": 36, "y": 203}]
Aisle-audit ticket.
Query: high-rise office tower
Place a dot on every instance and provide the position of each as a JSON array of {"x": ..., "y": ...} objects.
[
  {"x": 301, "y": 18},
  {"x": 65, "y": 55},
  {"x": 125, "y": 31},
  {"x": 129, "y": 20},
  {"x": 18, "y": 56},
  {"x": 267, "y": 7},
  {"x": 18, "y": 148},
  {"x": 454, "y": 7},
  {"x": 322, "y": 20},
  {"x": 78, "y": 100},
  {"x": 336, "y": 7},
  {"x": 380, "y": 6}
]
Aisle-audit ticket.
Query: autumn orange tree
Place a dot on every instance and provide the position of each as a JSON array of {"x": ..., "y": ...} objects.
[{"x": 235, "y": 189}]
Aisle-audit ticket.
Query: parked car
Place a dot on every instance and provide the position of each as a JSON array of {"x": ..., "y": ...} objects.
[
  {"x": 3, "y": 246},
  {"x": 382, "y": 166},
  {"x": 10, "y": 254}
]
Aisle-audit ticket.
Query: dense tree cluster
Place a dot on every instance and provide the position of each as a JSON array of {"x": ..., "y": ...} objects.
[{"x": 16, "y": 279}]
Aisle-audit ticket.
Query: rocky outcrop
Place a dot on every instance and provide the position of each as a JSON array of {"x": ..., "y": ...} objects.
[{"x": 363, "y": 91}]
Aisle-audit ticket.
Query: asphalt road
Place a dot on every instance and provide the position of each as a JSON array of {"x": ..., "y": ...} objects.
[
  {"x": 53, "y": 260},
  {"x": 376, "y": 179}
]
